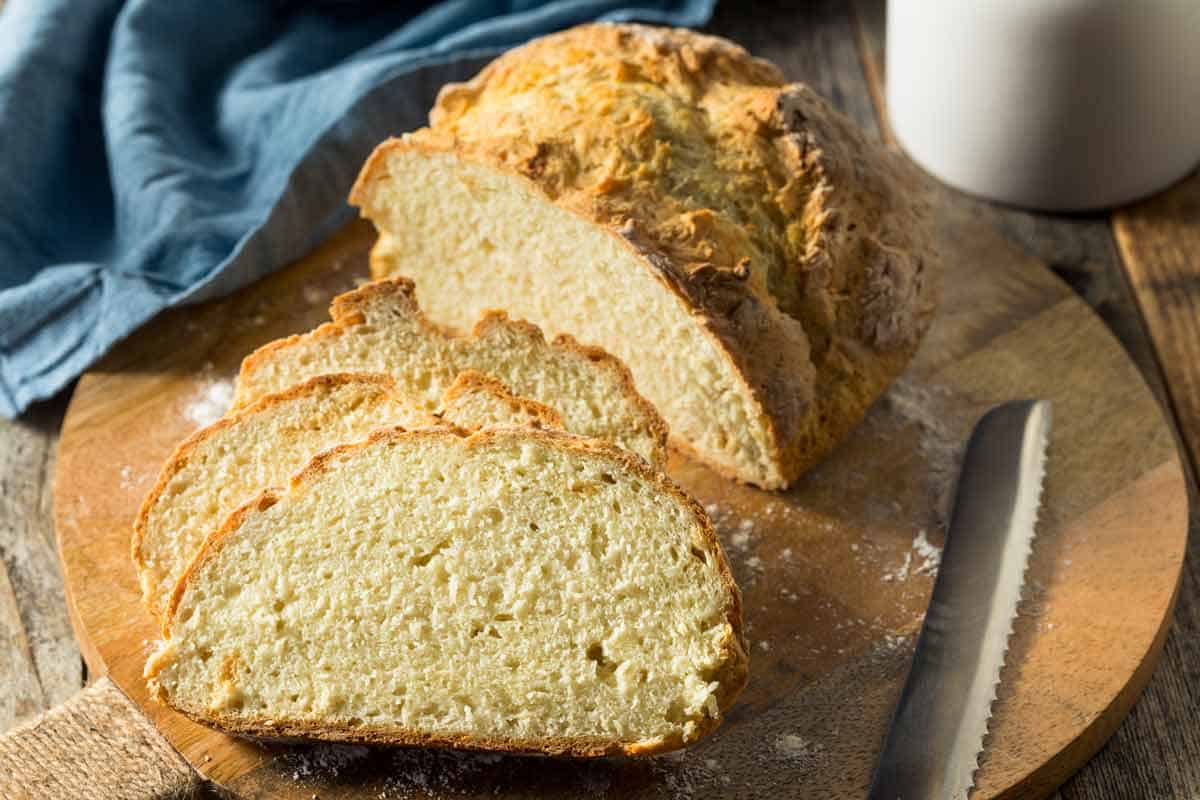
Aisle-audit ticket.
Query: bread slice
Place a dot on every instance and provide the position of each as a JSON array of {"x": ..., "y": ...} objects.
[
  {"x": 512, "y": 590},
  {"x": 762, "y": 267},
  {"x": 380, "y": 328},
  {"x": 477, "y": 401},
  {"x": 222, "y": 466}
]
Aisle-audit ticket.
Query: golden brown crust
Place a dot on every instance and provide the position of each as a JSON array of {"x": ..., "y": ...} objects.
[
  {"x": 794, "y": 240},
  {"x": 732, "y": 678},
  {"x": 577, "y": 747},
  {"x": 348, "y": 310}
]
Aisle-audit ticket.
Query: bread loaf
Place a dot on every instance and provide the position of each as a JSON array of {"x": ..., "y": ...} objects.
[
  {"x": 762, "y": 268},
  {"x": 515, "y": 590},
  {"x": 380, "y": 328},
  {"x": 222, "y": 466}
]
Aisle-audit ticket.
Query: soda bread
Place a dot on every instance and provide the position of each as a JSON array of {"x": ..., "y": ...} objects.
[
  {"x": 222, "y": 466},
  {"x": 762, "y": 268},
  {"x": 512, "y": 590},
  {"x": 380, "y": 328}
]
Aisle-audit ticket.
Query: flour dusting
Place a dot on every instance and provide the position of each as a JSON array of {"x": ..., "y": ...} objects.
[
  {"x": 737, "y": 535},
  {"x": 900, "y": 573},
  {"x": 930, "y": 555},
  {"x": 420, "y": 773},
  {"x": 923, "y": 558},
  {"x": 943, "y": 435},
  {"x": 208, "y": 407},
  {"x": 323, "y": 760},
  {"x": 797, "y": 750},
  {"x": 313, "y": 296}
]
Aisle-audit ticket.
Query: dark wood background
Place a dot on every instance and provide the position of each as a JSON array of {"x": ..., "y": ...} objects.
[{"x": 1138, "y": 267}]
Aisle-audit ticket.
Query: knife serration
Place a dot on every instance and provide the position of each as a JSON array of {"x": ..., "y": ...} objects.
[{"x": 933, "y": 746}]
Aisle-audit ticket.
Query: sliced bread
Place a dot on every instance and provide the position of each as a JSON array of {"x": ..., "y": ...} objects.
[
  {"x": 762, "y": 267},
  {"x": 513, "y": 590},
  {"x": 222, "y": 466},
  {"x": 477, "y": 401},
  {"x": 380, "y": 328}
]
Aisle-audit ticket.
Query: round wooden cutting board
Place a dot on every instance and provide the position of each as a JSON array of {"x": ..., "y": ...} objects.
[{"x": 836, "y": 573}]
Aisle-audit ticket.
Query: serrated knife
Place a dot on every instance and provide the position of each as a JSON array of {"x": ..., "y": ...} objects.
[{"x": 933, "y": 745}]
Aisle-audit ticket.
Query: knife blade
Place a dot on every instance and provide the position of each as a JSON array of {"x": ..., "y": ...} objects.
[{"x": 933, "y": 745}]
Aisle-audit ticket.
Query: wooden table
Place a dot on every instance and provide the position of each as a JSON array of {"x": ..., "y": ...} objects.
[{"x": 1131, "y": 266}]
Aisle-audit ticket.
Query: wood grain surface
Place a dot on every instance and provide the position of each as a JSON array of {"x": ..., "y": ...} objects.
[
  {"x": 39, "y": 659},
  {"x": 1160, "y": 240},
  {"x": 1156, "y": 752}
]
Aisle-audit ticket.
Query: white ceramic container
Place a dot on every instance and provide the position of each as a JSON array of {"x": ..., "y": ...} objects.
[{"x": 1049, "y": 104}]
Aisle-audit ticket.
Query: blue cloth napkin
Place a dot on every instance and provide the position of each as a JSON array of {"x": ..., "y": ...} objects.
[{"x": 160, "y": 152}]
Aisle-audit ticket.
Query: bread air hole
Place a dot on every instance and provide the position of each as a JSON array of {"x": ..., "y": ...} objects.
[
  {"x": 605, "y": 669},
  {"x": 425, "y": 558},
  {"x": 598, "y": 541}
]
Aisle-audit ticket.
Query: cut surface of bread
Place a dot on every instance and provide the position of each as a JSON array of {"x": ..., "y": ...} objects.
[
  {"x": 761, "y": 267},
  {"x": 511, "y": 590},
  {"x": 380, "y": 328},
  {"x": 222, "y": 466}
]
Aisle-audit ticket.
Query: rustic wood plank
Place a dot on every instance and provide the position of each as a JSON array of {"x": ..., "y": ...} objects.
[
  {"x": 1159, "y": 239},
  {"x": 28, "y": 550},
  {"x": 20, "y": 693},
  {"x": 1157, "y": 752}
]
